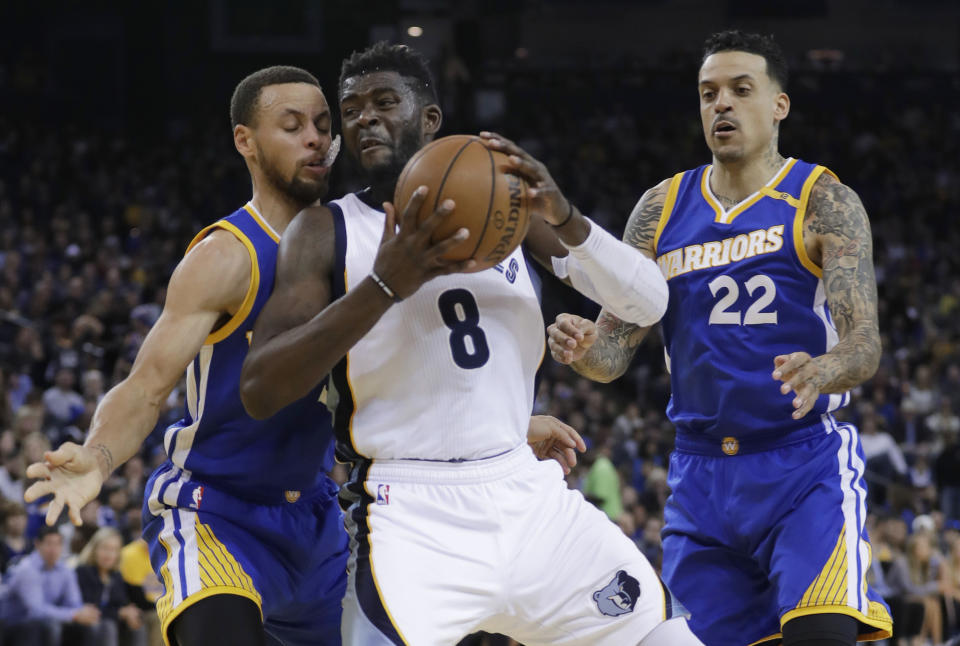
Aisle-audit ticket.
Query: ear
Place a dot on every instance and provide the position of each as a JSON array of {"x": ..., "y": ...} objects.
[
  {"x": 243, "y": 141},
  {"x": 781, "y": 106},
  {"x": 431, "y": 117}
]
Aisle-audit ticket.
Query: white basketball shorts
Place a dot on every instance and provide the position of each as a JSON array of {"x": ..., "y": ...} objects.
[{"x": 440, "y": 550}]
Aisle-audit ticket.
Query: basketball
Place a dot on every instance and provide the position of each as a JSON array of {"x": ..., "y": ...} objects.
[{"x": 490, "y": 203}]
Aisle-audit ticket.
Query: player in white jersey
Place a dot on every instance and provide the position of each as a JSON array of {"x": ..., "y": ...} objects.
[{"x": 455, "y": 526}]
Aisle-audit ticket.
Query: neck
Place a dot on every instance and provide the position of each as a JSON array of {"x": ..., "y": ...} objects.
[
  {"x": 276, "y": 208},
  {"x": 735, "y": 180},
  {"x": 377, "y": 194}
]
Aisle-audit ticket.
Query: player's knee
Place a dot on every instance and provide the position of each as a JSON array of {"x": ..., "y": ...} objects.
[
  {"x": 219, "y": 619},
  {"x": 820, "y": 630}
]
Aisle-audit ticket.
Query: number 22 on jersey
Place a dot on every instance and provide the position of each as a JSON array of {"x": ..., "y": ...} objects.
[{"x": 729, "y": 291}]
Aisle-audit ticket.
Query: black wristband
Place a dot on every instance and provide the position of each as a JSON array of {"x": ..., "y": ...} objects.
[
  {"x": 566, "y": 219},
  {"x": 386, "y": 288}
]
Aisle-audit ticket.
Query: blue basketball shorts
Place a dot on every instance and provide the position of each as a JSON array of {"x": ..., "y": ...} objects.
[
  {"x": 758, "y": 533},
  {"x": 287, "y": 555}
]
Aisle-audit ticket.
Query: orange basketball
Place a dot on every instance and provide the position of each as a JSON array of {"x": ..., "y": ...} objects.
[{"x": 490, "y": 203}]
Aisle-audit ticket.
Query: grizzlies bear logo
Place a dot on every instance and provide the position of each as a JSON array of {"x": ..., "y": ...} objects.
[{"x": 619, "y": 596}]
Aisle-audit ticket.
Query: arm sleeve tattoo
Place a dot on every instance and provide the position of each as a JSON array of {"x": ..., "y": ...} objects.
[
  {"x": 617, "y": 340},
  {"x": 837, "y": 219}
]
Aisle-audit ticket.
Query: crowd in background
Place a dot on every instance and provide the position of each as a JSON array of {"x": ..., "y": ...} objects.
[{"x": 92, "y": 222}]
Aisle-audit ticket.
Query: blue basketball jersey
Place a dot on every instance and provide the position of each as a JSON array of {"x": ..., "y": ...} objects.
[
  {"x": 216, "y": 441},
  {"x": 742, "y": 291}
]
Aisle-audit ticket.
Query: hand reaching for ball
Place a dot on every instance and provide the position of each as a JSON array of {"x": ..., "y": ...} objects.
[
  {"x": 545, "y": 197},
  {"x": 407, "y": 258}
]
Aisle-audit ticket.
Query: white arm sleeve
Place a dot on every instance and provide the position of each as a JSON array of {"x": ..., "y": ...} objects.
[{"x": 617, "y": 276}]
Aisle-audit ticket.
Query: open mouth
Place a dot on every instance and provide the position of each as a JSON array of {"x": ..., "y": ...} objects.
[
  {"x": 724, "y": 126},
  {"x": 369, "y": 142}
]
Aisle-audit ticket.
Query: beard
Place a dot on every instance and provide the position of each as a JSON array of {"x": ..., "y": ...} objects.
[
  {"x": 384, "y": 176},
  {"x": 303, "y": 192}
]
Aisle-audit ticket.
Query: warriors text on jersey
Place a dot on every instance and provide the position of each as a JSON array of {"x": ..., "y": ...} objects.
[
  {"x": 447, "y": 374},
  {"x": 742, "y": 291}
]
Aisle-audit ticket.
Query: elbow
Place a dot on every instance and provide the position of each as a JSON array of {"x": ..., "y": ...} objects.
[{"x": 254, "y": 399}]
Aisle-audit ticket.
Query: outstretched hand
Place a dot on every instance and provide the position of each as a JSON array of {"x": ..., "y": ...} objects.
[
  {"x": 552, "y": 439},
  {"x": 71, "y": 474},
  {"x": 407, "y": 258}
]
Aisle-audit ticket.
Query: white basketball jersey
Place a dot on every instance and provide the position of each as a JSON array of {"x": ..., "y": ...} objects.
[{"x": 446, "y": 374}]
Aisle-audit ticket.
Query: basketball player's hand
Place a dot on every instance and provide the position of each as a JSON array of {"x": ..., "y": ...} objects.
[
  {"x": 407, "y": 258},
  {"x": 551, "y": 439},
  {"x": 71, "y": 474},
  {"x": 570, "y": 336},
  {"x": 800, "y": 373},
  {"x": 546, "y": 198}
]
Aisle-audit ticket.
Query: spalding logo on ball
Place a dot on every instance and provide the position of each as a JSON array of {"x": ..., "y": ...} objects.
[{"x": 490, "y": 203}]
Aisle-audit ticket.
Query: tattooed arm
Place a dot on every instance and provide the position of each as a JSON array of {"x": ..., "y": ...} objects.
[
  {"x": 602, "y": 351},
  {"x": 837, "y": 237}
]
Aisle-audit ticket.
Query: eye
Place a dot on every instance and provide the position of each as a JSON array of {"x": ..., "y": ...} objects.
[
  {"x": 386, "y": 103},
  {"x": 743, "y": 90},
  {"x": 291, "y": 128},
  {"x": 349, "y": 112},
  {"x": 708, "y": 94}
]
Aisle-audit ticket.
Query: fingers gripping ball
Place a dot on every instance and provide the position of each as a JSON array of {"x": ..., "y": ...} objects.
[{"x": 491, "y": 204}]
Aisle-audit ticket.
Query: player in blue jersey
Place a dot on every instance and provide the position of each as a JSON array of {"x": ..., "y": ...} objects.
[
  {"x": 243, "y": 524},
  {"x": 772, "y": 320}
]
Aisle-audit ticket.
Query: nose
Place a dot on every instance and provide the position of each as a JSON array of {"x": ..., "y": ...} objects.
[
  {"x": 368, "y": 117},
  {"x": 723, "y": 102}
]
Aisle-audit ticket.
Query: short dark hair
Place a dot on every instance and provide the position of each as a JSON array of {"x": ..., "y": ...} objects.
[
  {"x": 734, "y": 40},
  {"x": 246, "y": 96},
  {"x": 384, "y": 57},
  {"x": 44, "y": 531}
]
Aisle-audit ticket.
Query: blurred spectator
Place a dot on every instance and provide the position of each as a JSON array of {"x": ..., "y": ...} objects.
[
  {"x": 915, "y": 578},
  {"x": 603, "y": 484},
  {"x": 947, "y": 474},
  {"x": 102, "y": 586},
  {"x": 43, "y": 599},
  {"x": 143, "y": 586},
  {"x": 11, "y": 476},
  {"x": 63, "y": 405},
  {"x": 15, "y": 542}
]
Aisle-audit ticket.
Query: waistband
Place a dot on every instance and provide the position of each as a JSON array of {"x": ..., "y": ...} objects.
[
  {"x": 754, "y": 442},
  {"x": 171, "y": 486},
  {"x": 452, "y": 473}
]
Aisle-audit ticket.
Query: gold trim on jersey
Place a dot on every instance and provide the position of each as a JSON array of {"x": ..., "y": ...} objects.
[
  {"x": 726, "y": 217},
  {"x": 231, "y": 325},
  {"x": 798, "y": 219},
  {"x": 827, "y": 594},
  {"x": 877, "y": 618},
  {"x": 769, "y": 638},
  {"x": 780, "y": 195},
  {"x": 667, "y": 211},
  {"x": 249, "y": 208}
]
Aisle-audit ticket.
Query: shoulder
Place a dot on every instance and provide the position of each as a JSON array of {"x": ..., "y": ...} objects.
[
  {"x": 308, "y": 246},
  {"x": 215, "y": 273},
  {"x": 221, "y": 250},
  {"x": 312, "y": 221},
  {"x": 645, "y": 217},
  {"x": 833, "y": 204}
]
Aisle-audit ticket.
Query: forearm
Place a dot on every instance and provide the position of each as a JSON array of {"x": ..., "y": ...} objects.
[
  {"x": 288, "y": 365},
  {"x": 852, "y": 361},
  {"x": 123, "y": 420},
  {"x": 610, "y": 356},
  {"x": 616, "y": 275}
]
